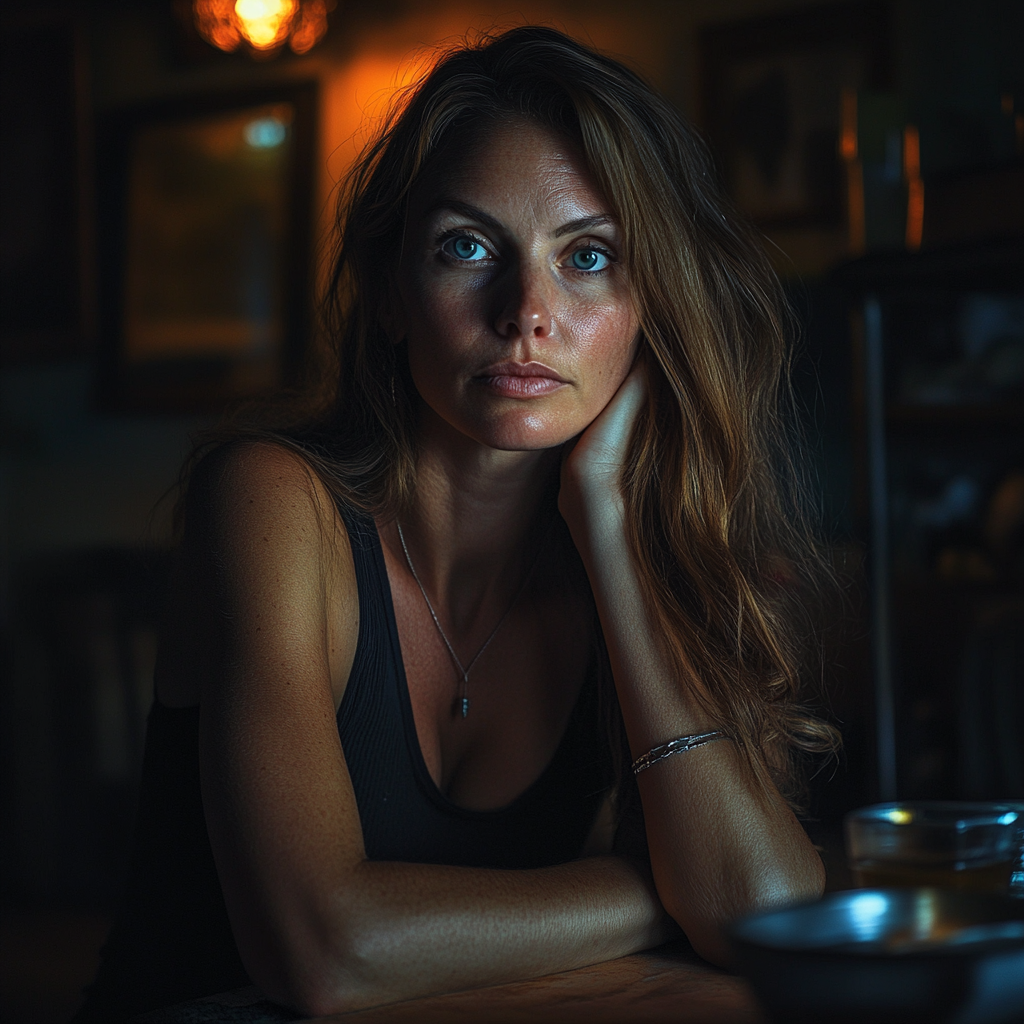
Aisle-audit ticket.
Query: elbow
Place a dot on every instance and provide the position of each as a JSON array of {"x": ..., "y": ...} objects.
[
  {"x": 802, "y": 880},
  {"x": 804, "y": 883},
  {"x": 311, "y": 996},
  {"x": 708, "y": 929},
  {"x": 317, "y": 977}
]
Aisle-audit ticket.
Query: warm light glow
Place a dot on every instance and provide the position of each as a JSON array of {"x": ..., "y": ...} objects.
[
  {"x": 215, "y": 22},
  {"x": 900, "y": 816},
  {"x": 263, "y": 25},
  {"x": 855, "y": 207},
  {"x": 915, "y": 213},
  {"x": 915, "y": 186},
  {"x": 911, "y": 153},
  {"x": 848, "y": 150},
  {"x": 309, "y": 26},
  {"x": 848, "y": 122}
]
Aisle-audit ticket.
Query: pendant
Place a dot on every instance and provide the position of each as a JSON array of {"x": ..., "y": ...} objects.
[{"x": 464, "y": 706}]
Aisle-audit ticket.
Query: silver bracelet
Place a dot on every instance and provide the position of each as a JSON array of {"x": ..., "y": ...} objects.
[{"x": 677, "y": 746}]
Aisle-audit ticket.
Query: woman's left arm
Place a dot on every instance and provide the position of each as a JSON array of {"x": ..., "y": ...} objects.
[{"x": 719, "y": 845}]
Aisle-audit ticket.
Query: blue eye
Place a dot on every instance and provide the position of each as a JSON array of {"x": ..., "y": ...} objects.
[
  {"x": 462, "y": 247},
  {"x": 589, "y": 259}
]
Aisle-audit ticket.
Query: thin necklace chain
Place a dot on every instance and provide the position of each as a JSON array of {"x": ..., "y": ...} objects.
[{"x": 463, "y": 701}]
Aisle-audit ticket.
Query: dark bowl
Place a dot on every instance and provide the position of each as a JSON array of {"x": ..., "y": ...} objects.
[{"x": 887, "y": 956}]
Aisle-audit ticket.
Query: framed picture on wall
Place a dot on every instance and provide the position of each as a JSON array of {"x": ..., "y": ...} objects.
[
  {"x": 206, "y": 248},
  {"x": 772, "y": 89}
]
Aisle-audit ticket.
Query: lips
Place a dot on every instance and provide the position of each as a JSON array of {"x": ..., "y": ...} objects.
[{"x": 520, "y": 380}]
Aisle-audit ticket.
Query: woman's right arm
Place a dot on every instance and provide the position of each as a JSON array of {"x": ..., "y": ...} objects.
[{"x": 318, "y": 926}]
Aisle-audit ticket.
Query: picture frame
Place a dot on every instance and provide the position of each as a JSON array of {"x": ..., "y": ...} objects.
[
  {"x": 771, "y": 89},
  {"x": 205, "y": 248}
]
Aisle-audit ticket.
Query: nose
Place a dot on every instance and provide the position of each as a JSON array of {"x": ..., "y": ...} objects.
[{"x": 525, "y": 305}]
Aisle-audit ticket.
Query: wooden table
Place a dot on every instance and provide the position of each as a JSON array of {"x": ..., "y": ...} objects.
[
  {"x": 662, "y": 985},
  {"x": 668, "y": 984}
]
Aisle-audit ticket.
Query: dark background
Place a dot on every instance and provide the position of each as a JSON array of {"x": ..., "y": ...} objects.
[{"x": 85, "y": 489}]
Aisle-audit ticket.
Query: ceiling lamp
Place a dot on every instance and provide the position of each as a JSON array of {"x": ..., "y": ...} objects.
[{"x": 262, "y": 26}]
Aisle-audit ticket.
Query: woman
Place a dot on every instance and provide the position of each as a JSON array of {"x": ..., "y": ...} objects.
[{"x": 539, "y": 520}]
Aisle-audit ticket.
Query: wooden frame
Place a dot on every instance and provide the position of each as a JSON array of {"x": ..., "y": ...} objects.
[
  {"x": 205, "y": 248},
  {"x": 771, "y": 99}
]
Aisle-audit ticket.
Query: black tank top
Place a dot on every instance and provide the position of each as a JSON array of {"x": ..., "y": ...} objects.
[{"x": 173, "y": 940}]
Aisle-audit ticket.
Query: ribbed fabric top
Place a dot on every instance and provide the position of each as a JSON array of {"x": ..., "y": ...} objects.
[
  {"x": 173, "y": 941},
  {"x": 405, "y": 817}
]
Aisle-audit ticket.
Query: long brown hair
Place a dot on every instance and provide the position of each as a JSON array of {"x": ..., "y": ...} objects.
[{"x": 727, "y": 563}]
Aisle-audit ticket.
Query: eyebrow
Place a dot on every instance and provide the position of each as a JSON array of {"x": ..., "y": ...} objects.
[
  {"x": 474, "y": 213},
  {"x": 584, "y": 224}
]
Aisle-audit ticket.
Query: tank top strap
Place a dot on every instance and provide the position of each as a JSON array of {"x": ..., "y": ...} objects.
[{"x": 404, "y": 816}]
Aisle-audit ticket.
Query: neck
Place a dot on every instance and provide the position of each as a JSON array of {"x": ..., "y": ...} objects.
[{"x": 475, "y": 522}]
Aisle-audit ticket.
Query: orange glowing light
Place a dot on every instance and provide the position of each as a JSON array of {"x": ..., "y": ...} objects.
[
  {"x": 915, "y": 213},
  {"x": 309, "y": 26},
  {"x": 265, "y": 23},
  {"x": 911, "y": 153},
  {"x": 855, "y": 207},
  {"x": 848, "y": 122},
  {"x": 915, "y": 186},
  {"x": 263, "y": 26}
]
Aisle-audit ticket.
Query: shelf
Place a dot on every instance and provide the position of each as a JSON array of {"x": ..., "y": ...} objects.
[
  {"x": 989, "y": 267},
  {"x": 942, "y": 588},
  {"x": 954, "y": 415}
]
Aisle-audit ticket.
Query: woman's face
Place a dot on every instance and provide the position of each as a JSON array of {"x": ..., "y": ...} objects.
[{"x": 512, "y": 291}]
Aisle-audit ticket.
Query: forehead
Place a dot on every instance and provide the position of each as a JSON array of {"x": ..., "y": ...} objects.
[{"x": 516, "y": 169}]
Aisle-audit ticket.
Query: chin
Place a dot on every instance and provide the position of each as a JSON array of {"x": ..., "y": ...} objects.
[{"x": 528, "y": 433}]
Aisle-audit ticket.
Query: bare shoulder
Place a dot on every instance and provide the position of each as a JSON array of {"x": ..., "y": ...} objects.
[
  {"x": 265, "y": 555},
  {"x": 256, "y": 481}
]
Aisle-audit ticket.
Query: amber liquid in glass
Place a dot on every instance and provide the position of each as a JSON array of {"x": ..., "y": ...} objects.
[{"x": 992, "y": 877}]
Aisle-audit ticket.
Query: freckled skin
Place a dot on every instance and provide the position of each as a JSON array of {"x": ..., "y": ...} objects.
[
  {"x": 521, "y": 298},
  {"x": 264, "y": 627}
]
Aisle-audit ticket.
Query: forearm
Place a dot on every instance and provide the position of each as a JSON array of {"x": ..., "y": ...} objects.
[
  {"x": 397, "y": 931},
  {"x": 720, "y": 845}
]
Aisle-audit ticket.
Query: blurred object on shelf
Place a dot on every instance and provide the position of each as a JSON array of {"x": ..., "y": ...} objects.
[
  {"x": 849, "y": 150},
  {"x": 894, "y": 201},
  {"x": 772, "y": 88},
  {"x": 960, "y": 519},
  {"x": 885, "y": 194},
  {"x": 1004, "y": 522},
  {"x": 939, "y": 342},
  {"x": 961, "y": 349},
  {"x": 872, "y": 148},
  {"x": 914, "y": 186},
  {"x": 964, "y": 564}
]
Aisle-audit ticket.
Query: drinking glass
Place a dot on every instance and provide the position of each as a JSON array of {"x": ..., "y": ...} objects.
[{"x": 946, "y": 845}]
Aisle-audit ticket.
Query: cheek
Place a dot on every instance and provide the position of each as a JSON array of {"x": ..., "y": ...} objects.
[
  {"x": 607, "y": 336},
  {"x": 439, "y": 313}
]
